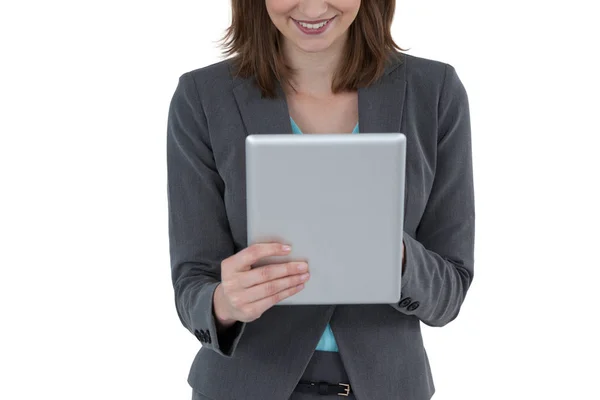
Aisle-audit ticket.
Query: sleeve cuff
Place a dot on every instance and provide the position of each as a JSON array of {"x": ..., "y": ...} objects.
[
  {"x": 407, "y": 304},
  {"x": 205, "y": 327}
]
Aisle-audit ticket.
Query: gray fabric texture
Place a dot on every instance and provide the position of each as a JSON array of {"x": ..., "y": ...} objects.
[{"x": 210, "y": 115}]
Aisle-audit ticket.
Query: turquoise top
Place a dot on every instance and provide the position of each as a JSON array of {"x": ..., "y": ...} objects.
[
  {"x": 296, "y": 129},
  {"x": 327, "y": 342}
]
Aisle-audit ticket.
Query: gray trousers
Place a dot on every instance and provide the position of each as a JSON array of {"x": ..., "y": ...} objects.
[{"x": 323, "y": 366}]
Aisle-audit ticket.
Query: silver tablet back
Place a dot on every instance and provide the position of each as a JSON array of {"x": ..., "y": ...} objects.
[{"x": 338, "y": 200}]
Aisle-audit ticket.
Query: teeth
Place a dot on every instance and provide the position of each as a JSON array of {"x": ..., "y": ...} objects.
[{"x": 313, "y": 26}]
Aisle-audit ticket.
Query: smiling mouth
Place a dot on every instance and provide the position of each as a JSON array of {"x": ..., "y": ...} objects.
[{"x": 315, "y": 26}]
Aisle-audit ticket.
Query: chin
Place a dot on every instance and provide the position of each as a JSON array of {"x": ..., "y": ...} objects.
[{"x": 313, "y": 47}]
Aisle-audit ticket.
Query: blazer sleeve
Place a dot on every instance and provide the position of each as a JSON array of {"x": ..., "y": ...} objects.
[
  {"x": 199, "y": 233},
  {"x": 439, "y": 260}
]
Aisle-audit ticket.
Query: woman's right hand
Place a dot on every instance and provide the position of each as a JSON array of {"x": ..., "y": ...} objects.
[{"x": 245, "y": 293}]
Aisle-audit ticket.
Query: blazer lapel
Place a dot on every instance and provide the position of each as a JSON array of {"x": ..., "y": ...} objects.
[
  {"x": 262, "y": 115},
  {"x": 380, "y": 105},
  {"x": 380, "y": 108}
]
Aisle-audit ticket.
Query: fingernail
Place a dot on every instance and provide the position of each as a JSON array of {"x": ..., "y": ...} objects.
[
  {"x": 304, "y": 276},
  {"x": 302, "y": 267},
  {"x": 286, "y": 248}
]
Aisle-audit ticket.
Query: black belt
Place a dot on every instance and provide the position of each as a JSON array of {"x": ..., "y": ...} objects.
[{"x": 323, "y": 388}]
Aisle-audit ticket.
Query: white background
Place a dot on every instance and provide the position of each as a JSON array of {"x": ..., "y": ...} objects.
[{"x": 86, "y": 301}]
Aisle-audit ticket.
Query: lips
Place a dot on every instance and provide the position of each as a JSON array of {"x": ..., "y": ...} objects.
[{"x": 313, "y": 27}]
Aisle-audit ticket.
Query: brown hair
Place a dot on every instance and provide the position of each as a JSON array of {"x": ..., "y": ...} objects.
[{"x": 256, "y": 45}]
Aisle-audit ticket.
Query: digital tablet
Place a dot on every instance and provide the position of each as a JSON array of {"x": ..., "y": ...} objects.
[{"x": 338, "y": 200}]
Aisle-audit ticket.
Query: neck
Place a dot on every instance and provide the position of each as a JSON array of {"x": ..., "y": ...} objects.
[{"x": 313, "y": 71}]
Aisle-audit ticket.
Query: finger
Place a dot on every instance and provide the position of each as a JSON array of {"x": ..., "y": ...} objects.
[
  {"x": 264, "y": 304},
  {"x": 272, "y": 288},
  {"x": 271, "y": 272},
  {"x": 243, "y": 260}
]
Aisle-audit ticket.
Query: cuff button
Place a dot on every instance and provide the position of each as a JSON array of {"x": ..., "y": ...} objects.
[{"x": 405, "y": 302}]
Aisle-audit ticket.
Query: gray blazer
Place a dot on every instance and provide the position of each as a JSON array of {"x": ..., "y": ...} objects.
[{"x": 210, "y": 115}]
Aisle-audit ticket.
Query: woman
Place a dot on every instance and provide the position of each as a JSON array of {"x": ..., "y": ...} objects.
[{"x": 314, "y": 66}]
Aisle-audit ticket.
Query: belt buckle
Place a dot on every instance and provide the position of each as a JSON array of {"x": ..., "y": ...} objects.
[{"x": 347, "y": 390}]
